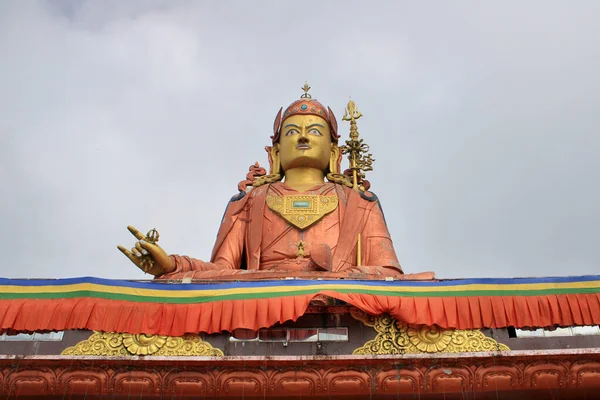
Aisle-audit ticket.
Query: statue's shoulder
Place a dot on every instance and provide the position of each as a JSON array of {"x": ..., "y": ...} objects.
[
  {"x": 239, "y": 196},
  {"x": 369, "y": 196},
  {"x": 364, "y": 194},
  {"x": 250, "y": 192}
]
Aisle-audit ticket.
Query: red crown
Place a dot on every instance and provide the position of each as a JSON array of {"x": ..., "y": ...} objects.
[{"x": 306, "y": 106}]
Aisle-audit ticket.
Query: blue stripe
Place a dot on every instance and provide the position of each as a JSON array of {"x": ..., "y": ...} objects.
[{"x": 155, "y": 285}]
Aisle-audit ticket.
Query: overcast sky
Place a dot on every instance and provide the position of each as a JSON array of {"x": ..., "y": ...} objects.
[{"x": 483, "y": 118}]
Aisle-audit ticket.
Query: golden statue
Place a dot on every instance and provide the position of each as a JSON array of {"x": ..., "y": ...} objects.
[{"x": 305, "y": 218}]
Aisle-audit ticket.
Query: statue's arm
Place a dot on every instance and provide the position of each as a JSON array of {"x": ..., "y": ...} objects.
[
  {"x": 378, "y": 246},
  {"x": 228, "y": 251},
  {"x": 185, "y": 264},
  {"x": 228, "y": 256}
]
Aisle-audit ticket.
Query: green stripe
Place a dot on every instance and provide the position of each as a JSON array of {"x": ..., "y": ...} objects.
[{"x": 266, "y": 295}]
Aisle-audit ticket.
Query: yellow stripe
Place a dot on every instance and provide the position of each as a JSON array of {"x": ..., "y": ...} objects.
[{"x": 283, "y": 289}]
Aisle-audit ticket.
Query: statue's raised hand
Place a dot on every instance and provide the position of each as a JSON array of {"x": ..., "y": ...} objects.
[{"x": 144, "y": 251}]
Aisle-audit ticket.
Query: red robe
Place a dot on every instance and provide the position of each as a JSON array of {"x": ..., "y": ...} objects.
[{"x": 252, "y": 237}]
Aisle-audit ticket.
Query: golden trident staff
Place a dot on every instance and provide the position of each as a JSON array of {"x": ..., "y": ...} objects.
[
  {"x": 360, "y": 160},
  {"x": 357, "y": 150}
]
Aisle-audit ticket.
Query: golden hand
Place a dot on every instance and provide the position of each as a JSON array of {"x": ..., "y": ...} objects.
[{"x": 161, "y": 264}]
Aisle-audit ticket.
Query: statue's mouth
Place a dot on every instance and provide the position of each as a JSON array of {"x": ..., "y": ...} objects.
[{"x": 303, "y": 147}]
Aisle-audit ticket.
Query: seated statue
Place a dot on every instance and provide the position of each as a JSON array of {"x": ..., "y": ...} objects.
[{"x": 303, "y": 219}]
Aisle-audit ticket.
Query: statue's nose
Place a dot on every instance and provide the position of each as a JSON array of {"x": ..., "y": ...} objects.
[{"x": 303, "y": 139}]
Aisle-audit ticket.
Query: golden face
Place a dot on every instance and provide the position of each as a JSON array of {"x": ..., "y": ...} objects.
[{"x": 305, "y": 141}]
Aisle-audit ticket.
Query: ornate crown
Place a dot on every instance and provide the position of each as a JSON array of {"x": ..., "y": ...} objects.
[{"x": 306, "y": 105}]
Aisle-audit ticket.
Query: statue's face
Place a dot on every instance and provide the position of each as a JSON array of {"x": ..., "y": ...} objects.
[{"x": 305, "y": 141}]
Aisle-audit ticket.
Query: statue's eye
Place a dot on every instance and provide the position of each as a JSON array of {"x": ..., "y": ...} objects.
[
  {"x": 291, "y": 132},
  {"x": 315, "y": 132}
]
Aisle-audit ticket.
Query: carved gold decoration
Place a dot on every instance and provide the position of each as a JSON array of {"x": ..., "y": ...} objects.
[
  {"x": 429, "y": 339},
  {"x": 390, "y": 339},
  {"x": 263, "y": 180},
  {"x": 301, "y": 252},
  {"x": 394, "y": 337},
  {"x": 142, "y": 344},
  {"x": 125, "y": 344},
  {"x": 339, "y": 178},
  {"x": 302, "y": 210}
]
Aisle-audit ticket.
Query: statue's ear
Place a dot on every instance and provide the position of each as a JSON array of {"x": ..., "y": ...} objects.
[
  {"x": 335, "y": 160},
  {"x": 274, "y": 160}
]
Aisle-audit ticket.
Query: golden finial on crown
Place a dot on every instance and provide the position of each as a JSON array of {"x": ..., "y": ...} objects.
[{"x": 306, "y": 88}]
